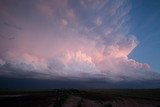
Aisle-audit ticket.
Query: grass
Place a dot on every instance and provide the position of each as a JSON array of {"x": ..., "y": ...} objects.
[
  {"x": 59, "y": 96},
  {"x": 110, "y": 94}
]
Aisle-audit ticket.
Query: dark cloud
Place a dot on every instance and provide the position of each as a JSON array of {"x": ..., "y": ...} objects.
[{"x": 14, "y": 83}]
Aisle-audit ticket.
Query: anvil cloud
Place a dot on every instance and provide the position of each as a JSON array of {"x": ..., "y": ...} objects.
[{"x": 69, "y": 39}]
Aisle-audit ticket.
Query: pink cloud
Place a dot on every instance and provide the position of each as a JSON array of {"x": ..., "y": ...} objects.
[{"x": 69, "y": 45}]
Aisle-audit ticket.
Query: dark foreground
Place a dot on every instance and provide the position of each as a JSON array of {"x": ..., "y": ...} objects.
[{"x": 81, "y": 98}]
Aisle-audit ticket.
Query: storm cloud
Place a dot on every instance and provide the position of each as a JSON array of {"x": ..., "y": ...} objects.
[{"x": 68, "y": 39}]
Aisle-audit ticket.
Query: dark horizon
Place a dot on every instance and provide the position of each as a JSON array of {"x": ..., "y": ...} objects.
[{"x": 20, "y": 83}]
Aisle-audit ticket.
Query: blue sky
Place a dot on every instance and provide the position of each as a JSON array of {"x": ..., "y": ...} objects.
[{"x": 145, "y": 24}]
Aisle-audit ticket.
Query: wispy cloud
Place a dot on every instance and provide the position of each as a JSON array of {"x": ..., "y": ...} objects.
[{"x": 73, "y": 40}]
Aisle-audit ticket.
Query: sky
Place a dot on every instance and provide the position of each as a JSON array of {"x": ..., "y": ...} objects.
[{"x": 100, "y": 43}]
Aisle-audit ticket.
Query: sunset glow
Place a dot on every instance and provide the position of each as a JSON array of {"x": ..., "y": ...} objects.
[{"x": 74, "y": 40}]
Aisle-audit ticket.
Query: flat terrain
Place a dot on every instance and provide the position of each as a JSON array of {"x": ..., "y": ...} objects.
[{"x": 81, "y": 98}]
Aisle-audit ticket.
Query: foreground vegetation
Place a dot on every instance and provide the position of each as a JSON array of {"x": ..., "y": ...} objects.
[{"x": 79, "y": 98}]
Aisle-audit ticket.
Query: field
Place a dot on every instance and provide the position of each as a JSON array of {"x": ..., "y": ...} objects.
[{"x": 80, "y": 98}]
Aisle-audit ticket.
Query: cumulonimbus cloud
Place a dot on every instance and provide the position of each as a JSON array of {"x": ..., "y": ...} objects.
[{"x": 73, "y": 40}]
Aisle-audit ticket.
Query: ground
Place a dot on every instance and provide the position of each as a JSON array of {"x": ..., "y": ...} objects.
[{"x": 80, "y": 98}]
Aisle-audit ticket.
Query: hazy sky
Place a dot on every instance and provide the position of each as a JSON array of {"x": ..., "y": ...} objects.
[{"x": 80, "y": 40}]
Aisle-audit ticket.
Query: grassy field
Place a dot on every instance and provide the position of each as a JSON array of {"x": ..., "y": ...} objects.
[
  {"x": 127, "y": 93},
  {"x": 80, "y": 98}
]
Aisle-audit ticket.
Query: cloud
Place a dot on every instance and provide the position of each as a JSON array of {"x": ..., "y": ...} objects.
[
  {"x": 79, "y": 40},
  {"x": 2, "y": 62}
]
